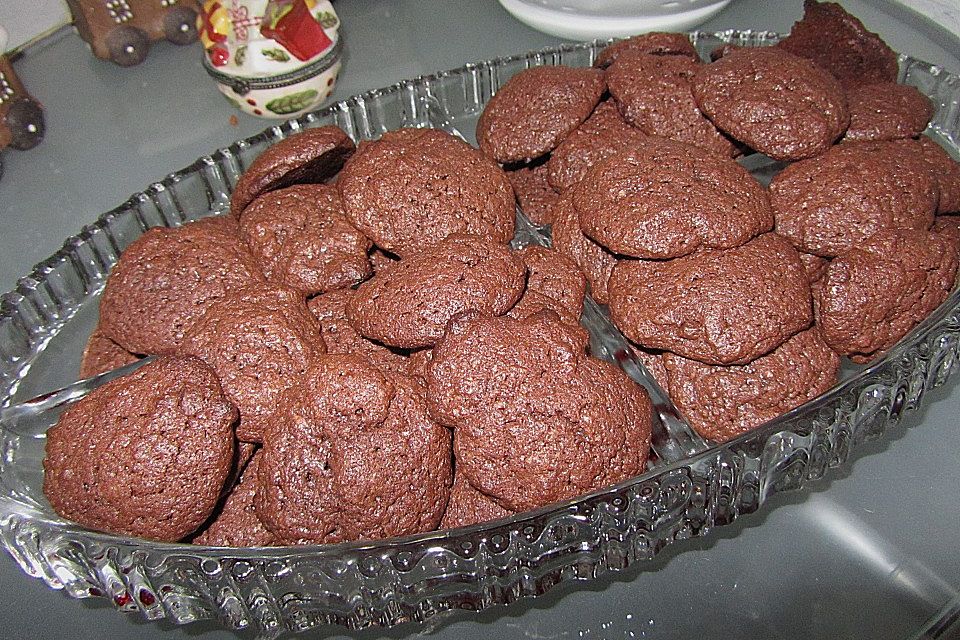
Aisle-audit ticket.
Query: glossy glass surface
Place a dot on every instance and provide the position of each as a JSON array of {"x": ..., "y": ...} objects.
[{"x": 692, "y": 490}]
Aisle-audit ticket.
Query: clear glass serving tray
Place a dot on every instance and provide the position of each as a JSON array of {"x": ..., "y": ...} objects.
[{"x": 691, "y": 486}]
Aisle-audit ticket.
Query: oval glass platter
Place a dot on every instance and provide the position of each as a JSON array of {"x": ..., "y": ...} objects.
[{"x": 690, "y": 488}]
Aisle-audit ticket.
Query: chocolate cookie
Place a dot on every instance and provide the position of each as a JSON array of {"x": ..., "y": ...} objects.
[
  {"x": 829, "y": 204},
  {"x": 655, "y": 43},
  {"x": 144, "y": 455},
  {"x": 536, "y": 419},
  {"x": 839, "y": 43},
  {"x": 663, "y": 199},
  {"x": 536, "y": 109},
  {"x": 773, "y": 101},
  {"x": 167, "y": 278},
  {"x": 946, "y": 172},
  {"x": 103, "y": 354},
  {"x": 553, "y": 282},
  {"x": 654, "y": 94},
  {"x": 715, "y": 306},
  {"x": 603, "y": 134},
  {"x": 886, "y": 111},
  {"x": 311, "y": 156},
  {"x": 409, "y": 304},
  {"x": 259, "y": 341},
  {"x": 237, "y": 524},
  {"x": 414, "y": 187},
  {"x": 354, "y": 457},
  {"x": 596, "y": 262},
  {"x": 303, "y": 240},
  {"x": 948, "y": 228},
  {"x": 723, "y": 402},
  {"x": 535, "y": 195},
  {"x": 468, "y": 506},
  {"x": 330, "y": 310},
  {"x": 875, "y": 293}
]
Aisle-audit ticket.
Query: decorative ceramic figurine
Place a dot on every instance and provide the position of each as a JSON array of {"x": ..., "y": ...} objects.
[
  {"x": 272, "y": 58},
  {"x": 21, "y": 118},
  {"x": 122, "y": 30}
]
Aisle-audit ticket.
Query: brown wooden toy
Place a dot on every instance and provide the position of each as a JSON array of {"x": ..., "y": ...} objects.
[{"x": 122, "y": 30}]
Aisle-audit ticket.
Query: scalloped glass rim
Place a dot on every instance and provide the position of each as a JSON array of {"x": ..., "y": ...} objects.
[{"x": 386, "y": 582}]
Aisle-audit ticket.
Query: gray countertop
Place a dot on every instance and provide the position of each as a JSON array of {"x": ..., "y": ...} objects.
[{"x": 870, "y": 552}]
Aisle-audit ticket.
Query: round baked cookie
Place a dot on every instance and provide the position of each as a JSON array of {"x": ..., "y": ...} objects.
[
  {"x": 715, "y": 306},
  {"x": 595, "y": 261},
  {"x": 946, "y": 172},
  {"x": 777, "y": 103},
  {"x": 838, "y": 42},
  {"x": 722, "y": 402},
  {"x": 237, "y": 524},
  {"x": 414, "y": 187},
  {"x": 103, "y": 354},
  {"x": 603, "y": 134},
  {"x": 829, "y": 204},
  {"x": 408, "y": 304},
  {"x": 259, "y": 341},
  {"x": 535, "y": 419},
  {"x": 656, "y": 43},
  {"x": 303, "y": 240},
  {"x": 654, "y": 94},
  {"x": 468, "y": 506},
  {"x": 664, "y": 199},
  {"x": 875, "y": 293},
  {"x": 166, "y": 279},
  {"x": 535, "y": 195},
  {"x": 536, "y": 109},
  {"x": 144, "y": 455},
  {"x": 355, "y": 456},
  {"x": 330, "y": 309},
  {"x": 886, "y": 111},
  {"x": 311, "y": 156},
  {"x": 554, "y": 282}
]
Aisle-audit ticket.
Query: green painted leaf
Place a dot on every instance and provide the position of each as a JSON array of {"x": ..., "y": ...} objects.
[
  {"x": 292, "y": 103},
  {"x": 278, "y": 55},
  {"x": 327, "y": 19}
]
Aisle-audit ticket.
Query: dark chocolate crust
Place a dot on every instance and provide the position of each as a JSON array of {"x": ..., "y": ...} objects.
[
  {"x": 330, "y": 309},
  {"x": 535, "y": 195},
  {"x": 715, "y": 306},
  {"x": 167, "y": 278},
  {"x": 468, "y": 506},
  {"x": 602, "y": 135},
  {"x": 554, "y": 282},
  {"x": 536, "y": 109},
  {"x": 536, "y": 419},
  {"x": 656, "y": 43},
  {"x": 664, "y": 199},
  {"x": 595, "y": 261},
  {"x": 237, "y": 523},
  {"x": 311, "y": 156},
  {"x": 722, "y": 402},
  {"x": 414, "y": 187},
  {"x": 946, "y": 171},
  {"x": 144, "y": 455},
  {"x": 886, "y": 111},
  {"x": 654, "y": 93},
  {"x": 304, "y": 241},
  {"x": 875, "y": 293},
  {"x": 103, "y": 354},
  {"x": 773, "y": 101},
  {"x": 832, "y": 203},
  {"x": 408, "y": 304},
  {"x": 355, "y": 456},
  {"x": 838, "y": 42},
  {"x": 260, "y": 341}
]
